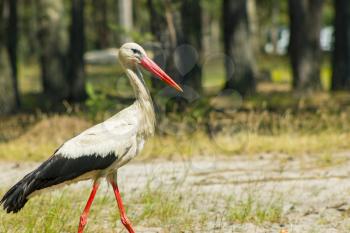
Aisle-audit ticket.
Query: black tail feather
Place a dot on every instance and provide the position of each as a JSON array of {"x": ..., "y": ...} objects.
[{"x": 16, "y": 197}]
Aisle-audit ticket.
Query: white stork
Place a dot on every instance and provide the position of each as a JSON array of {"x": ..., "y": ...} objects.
[{"x": 99, "y": 151}]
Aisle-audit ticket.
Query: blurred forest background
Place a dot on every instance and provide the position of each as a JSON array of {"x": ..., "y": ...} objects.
[
  {"x": 262, "y": 127},
  {"x": 259, "y": 75}
]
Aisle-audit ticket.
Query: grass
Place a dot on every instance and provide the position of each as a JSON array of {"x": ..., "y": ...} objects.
[
  {"x": 150, "y": 207},
  {"x": 59, "y": 211},
  {"x": 269, "y": 122},
  {"x": 213, "y": 67},
  {"x": 40, "y": 139},
  {"x": 318, "y": 125},
  {"x": 39, "y": 147},
  {"x": 161, "y": 209},
  {"x": 252, "y": 209},
  {"x": 44, "y": 214}
]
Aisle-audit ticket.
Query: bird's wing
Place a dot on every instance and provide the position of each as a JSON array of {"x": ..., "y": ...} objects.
[{"x": 109, "y": 136}]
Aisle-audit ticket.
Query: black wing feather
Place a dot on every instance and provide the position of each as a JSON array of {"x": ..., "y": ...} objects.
[{"x": 53, "y": 171}]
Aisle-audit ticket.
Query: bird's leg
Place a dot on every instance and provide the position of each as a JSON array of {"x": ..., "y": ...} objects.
[
  {"x": 124, "y": 219},
  {"x": 84, "y": 215}
]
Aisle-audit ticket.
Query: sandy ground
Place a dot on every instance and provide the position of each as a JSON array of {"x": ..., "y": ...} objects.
[{"x": 314, "y": 189}]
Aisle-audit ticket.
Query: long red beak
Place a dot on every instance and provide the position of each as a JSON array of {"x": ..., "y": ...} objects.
[{"x": 152, "y": 67}]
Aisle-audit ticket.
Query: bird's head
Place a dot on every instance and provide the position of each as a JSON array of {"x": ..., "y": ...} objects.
[{"x": 132, "y": 54}]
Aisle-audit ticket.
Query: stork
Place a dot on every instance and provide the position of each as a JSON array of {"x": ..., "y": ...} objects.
[{"x": 98, "y": 152}]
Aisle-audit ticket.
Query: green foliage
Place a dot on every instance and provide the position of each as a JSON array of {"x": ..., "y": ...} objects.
[
  {"x": 213, "y": 7},
  {"x": 266, "y": 8},
  {"x": 328, "y": 12},
  {"x": 96, "y": 102}
]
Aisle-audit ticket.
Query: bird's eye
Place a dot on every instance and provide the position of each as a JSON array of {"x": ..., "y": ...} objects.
[{"x": 136, "y": 51}]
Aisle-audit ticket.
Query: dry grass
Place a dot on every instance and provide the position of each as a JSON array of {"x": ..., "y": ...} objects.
[
  {"x": 243, "y": 133},
  {"x": 40, "y": 139}
]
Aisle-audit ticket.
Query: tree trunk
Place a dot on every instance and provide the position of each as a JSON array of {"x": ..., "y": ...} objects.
[
  {"x": 237, "y": 45},
  {"x": 125, "y": 18},
  {"x": 180, "y": 40},
  {"x": 253, "y": 25},
  {"x": 275, "y": 14},
  {"x": 341, "y": 53},
  {"x": 12, "y": 44},
  {"x": 76, "y": 73},
  {"x": 178, "y": 30},
  {"x": 191, "y": 18},
  {"x": 164, "y": 33},
  {"x": 52, "y": 39},
  {"x": 7, "y": 88},
  {"x": 100, "y": 14},
  {"x": 304, "y": 48},
  {"x": 28, "y": 26}
]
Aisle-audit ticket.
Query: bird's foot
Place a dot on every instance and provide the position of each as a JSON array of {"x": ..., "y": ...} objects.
[{"x": 82, "y": 223}]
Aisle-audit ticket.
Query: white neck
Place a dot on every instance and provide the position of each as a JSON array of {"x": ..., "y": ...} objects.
[{"x": 143, "y": 100}]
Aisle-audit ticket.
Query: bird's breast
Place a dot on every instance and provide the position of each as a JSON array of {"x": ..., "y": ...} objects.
[{"x": 134, "y": 147}]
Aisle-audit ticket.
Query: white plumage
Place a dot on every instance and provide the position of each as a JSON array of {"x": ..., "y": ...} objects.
[{"x": 111, "y": 135}]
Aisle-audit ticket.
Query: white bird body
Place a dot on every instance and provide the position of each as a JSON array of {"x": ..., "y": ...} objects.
[
  {"x": 119, "y": 135},
  {"x": 99, "y": 151}
]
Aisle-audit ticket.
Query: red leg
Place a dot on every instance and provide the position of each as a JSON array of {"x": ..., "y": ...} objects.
[
  {"x": 126, "y": 222},
  {"x": 84, "y": 215}
]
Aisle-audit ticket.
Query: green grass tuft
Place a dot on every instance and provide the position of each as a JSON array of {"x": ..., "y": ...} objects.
[
  {"x": 162, "y": 208},
  {"x": 253, "y": 209}
]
